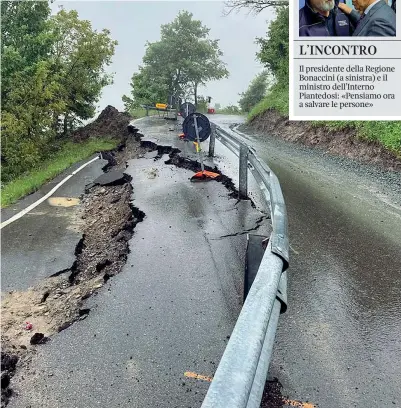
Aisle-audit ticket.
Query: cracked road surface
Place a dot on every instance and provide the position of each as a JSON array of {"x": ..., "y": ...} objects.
[
  {"x": 155, "y": 337},
  {"x": 339, "y": 343}
]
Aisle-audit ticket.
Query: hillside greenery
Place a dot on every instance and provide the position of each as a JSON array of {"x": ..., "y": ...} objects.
[
  {"x": 53, "y": 70},
  {"x": 274, "y": 54},
  {"x": 256, "y": 91},
  {"x": 68, "y": 154}
]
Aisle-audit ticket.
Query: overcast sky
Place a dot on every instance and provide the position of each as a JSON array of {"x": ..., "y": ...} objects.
[{"x": 132, "y": 23}]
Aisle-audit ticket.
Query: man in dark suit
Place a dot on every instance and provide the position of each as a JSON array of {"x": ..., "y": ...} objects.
[{"x": 376, "y": 18}]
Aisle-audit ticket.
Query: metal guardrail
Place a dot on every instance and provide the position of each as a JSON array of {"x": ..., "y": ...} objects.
[{"x": 241, "y": 375}]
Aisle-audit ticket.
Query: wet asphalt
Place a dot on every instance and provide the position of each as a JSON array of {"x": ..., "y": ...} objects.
[
  {"x": 169, "y": 312},
  {"x": 339, "y": 344}
]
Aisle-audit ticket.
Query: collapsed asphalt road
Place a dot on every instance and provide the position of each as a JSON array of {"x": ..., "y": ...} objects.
[
  {"x": 156, "y": 331},
  {"x": 339, "y": 343},
  {"x": 102, "y": 220}
]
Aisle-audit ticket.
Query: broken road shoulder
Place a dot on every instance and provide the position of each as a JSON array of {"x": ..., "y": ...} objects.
[{"x": 109, "y": 219}]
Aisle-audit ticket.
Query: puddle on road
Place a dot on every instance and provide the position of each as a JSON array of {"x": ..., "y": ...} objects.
[{"x": 63, "y": 201}]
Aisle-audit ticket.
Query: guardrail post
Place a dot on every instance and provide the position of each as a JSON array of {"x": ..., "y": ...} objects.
[
  {"x": 243, "y": 171},
  {"x": 212, "y": 143}
]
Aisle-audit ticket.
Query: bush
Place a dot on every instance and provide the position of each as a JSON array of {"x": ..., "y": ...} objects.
[{"x": 277, "y": 99}]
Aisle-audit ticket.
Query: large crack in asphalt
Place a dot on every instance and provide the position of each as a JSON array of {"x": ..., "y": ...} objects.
[
  {"x": 258, "y": 224},
  {"x": 109, "y": 219},
  {"x": 179, "y": 161}
]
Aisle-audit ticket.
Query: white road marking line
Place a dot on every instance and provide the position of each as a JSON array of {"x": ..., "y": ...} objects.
[{"x": 51, "y": 192}]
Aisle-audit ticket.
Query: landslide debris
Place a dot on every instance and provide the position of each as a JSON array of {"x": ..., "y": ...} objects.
[
  {"x": 107, "y": 220},
  {"x": 58, "y": 301},
  {"x": 109, "y": 124}
]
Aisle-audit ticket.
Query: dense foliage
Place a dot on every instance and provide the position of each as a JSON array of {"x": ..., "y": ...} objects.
[
  {"x": 255, "y": 92},
  {"x": 274, "y": 49},
  {"x": 53, "y": 70},
  {"x": 183, "y": 59}
]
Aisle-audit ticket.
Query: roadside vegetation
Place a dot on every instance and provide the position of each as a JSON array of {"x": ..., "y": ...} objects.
[
  {"x": 229, "y": 110},
  {"x": 68, "y": 154},
  {"x": 53, "y": 71},
  {"x": 141, "y": 112},
  {"x": 256, "y": 91},
  {"x": 274, "y": 55}
]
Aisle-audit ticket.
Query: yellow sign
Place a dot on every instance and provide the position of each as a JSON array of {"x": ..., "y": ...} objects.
[{"x": 161, "y": 105}]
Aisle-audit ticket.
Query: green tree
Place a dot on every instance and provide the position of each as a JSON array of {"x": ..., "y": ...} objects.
[
  {"x": 202, "y": 104},
  {"x": 128, "y": 103},
  {"x": 28, "y": 96},
  {"x": 80, "y": 56},
  {"x": 255, "y": 92},
  {"x": 25, "y": 41},
  {"x": 274, "y": 49},
  {"x": 51, "y": 67},
  {"x": 178, "y": 63},
  {"x": 149, "y": 87}
]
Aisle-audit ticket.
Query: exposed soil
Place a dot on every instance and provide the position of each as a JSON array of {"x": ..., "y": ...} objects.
[
  {"x": 344, "y": 142},
  {"x": 272, "y": 397},
  {"x": 107, "y": 223},
  {"x": 57, "y": 302},
  {"x": 109, "y": 124},
  {"x": 107, "y": 220},
  {"x": 8, "y": 364}
]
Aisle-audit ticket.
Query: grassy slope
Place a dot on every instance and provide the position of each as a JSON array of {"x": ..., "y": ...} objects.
[
  {"x": 69, "y": 154},
  {"x": 385, "y": 132}
]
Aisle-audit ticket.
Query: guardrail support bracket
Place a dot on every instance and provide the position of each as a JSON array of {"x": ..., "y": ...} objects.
[
  {"x": 243, "y": 172},
  {"x": 212, "y": 142}
]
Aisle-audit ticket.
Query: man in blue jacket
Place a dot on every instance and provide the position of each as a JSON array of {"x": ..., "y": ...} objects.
[{"x": 322, "y": 18}]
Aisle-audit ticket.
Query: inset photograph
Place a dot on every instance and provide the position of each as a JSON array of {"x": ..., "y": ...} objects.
[{"x": 340, "y": 18}]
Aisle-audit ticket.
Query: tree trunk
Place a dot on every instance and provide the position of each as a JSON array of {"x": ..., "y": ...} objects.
[
  {"x": 65, "y": 124},
  {"x": 55, "y": 123}
]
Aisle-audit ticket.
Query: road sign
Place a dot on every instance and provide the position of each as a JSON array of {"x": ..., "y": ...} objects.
[
  {"x": 186, "y": 109},
  {"x": 161, "y": 105},
  {"x": 203, "y": 124}
]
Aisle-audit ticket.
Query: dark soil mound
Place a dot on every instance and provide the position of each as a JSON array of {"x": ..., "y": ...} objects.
[
  {"x": 8, "y": 364},
  {"x": 110, "y": 124}
]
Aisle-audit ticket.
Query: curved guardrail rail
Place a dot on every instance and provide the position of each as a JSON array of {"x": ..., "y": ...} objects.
[{"x": 241, "y": 375}]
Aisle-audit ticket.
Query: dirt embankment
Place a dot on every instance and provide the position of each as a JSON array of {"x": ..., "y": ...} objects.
[
  {"x": 109, "y": 124},
  {"x": 344, "y": 142},
  {"x": 107, "y": 220}
]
